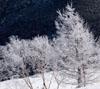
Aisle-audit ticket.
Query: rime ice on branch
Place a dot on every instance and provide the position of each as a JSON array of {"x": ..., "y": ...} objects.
[{"x": 75, "y": 45}]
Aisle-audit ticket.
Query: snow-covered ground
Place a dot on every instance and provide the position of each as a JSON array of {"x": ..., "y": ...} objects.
[{"x": 36, "y": 81}]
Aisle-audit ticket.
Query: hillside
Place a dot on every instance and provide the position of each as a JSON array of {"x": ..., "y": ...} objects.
[
  {"x": 36, "y": 81},
  {"x": 27, "y": 18}
]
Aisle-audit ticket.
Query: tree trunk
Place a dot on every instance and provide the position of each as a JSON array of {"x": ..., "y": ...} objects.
[
  {"x": 84, "y": 78},
  {"x": 79, "y": 81},
  {"x": 81, "y": 77}
]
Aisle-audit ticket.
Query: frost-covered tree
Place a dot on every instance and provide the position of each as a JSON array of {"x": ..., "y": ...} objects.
[
  {"x": 43, "y": 52},
  {"x": 35, "y": 53},
  {"x": 42, "y": 49},
  {"x": 16, "y": 54},
  {"x": 98, "y": 52},
  {"x": 75, "y": 47}
]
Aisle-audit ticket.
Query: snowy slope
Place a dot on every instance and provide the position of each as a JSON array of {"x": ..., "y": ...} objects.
[{"x": 37, "y": 83}]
